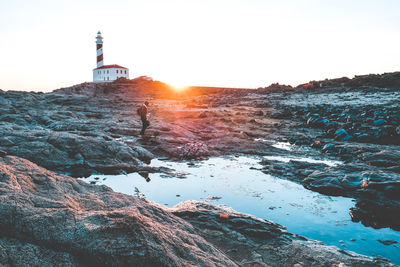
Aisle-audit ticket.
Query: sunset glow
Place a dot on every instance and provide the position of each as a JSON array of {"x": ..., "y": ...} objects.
[
  {"x": 179, "y": 88},
  {"x": 209, "y": 43}
]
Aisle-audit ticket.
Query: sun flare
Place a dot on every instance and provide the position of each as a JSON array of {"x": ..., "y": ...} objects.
[{"x": 179, "y": 88}]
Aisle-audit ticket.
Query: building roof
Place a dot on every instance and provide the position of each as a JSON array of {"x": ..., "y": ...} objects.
[{"x": 110, "y": 67}]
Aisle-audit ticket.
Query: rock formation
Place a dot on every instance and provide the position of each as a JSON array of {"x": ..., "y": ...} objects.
[{"x": 48, "y": 219}]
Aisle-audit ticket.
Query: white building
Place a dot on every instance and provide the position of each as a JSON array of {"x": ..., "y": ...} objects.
[
  {"x": 109, "y": 73},
  {"x": 106, "y": 73}
]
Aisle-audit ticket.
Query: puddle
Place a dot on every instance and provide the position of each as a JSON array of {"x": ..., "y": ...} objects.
[
  {"x": 283, "y": 145},
  {"x": 236, "y": 182},
  {"x": 330, "y": 163}
]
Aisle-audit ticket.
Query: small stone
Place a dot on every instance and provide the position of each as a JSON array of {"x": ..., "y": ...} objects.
[
  {"x": 363, "y": 137},
  {"x": 387, "y": 242},
  {"x": 379, "y": 122},
  {"x": 341, "y": 133},
  {"x": 348, "y": 137},
  {"x": 328, "y": 147}
]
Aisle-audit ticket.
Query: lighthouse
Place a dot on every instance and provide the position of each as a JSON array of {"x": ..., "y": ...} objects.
[
  {"x": 106, "y": 73},
  {"x": 99, "y": 49}
]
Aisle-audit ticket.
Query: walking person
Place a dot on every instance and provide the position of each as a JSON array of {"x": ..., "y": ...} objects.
[{"x": 142, "y": 111}]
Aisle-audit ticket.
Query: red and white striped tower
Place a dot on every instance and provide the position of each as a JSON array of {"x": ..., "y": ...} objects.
[{"x": 99, "y": 47}]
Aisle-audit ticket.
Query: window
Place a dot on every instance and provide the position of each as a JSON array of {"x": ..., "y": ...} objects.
[
  {"x": 125, "y": 72},
  {"x": 107, "y": 71},
  {"x": 108, "y": 78},
  {"x": 117, "y": 71}
]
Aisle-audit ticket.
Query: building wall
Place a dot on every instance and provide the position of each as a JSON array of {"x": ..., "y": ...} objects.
[{"x": 109, "y": 74}]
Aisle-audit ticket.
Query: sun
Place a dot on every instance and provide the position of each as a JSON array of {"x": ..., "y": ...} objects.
[{"x": 179, "y": 87}]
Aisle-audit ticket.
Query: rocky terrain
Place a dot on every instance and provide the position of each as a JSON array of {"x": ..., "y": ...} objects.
[
  {"x": 56, "y": 220},
  {"x": 93, "y": 128}
]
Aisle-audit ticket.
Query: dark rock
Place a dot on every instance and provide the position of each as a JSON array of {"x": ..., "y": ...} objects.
[
  {"x": 387, "y": 242},
  {"x": 317, "y": 121},
  {"x": 379, "y": 122},
  {"x": 341, "y": 134},
  {"x": 203, "y": 115},
  {"x": 348, "y": 138},
  {"x": 259, "y": 113},
  {"x": 376, "y": 215},
  {"x": 328, "y": 147},
  {"x": 364, "y": 138}
]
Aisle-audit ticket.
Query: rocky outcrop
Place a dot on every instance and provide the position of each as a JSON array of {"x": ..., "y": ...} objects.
[
  {"x": 55, "y": 220},
  {"x": 93, "y": 128},
  {"x": 357, "y": 127},
  {"x": 16, "y": 253},
  {"x": 64, "y": 133},
  {"x": 385, "y": 80},
  {"x": 93, "y": 224}
]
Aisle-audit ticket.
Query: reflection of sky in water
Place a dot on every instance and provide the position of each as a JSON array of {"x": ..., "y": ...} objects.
[
  {"x": 281, "y": 145},
  {"x": 250, "y": 191},
  {"x": 309, "y": 160}
]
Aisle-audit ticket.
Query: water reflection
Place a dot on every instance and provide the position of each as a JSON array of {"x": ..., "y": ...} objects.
[
  {"x": 145, "y": 175},
  {"x": 330, "y": 163},
  {"x": 236, "y": 182}
]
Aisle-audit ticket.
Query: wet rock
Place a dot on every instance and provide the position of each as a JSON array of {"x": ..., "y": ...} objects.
[
  {"x": 376, "y": 215},
  {"x": 387, "y": 242},
  {"x": 340, "y": 134},
  {"x": 328, "y": 147},
  {"x": 318, "y": 121},
  {"x": 247, "y": 239},
  {"x": 379, "y": 122},
  {"x": 364, "y": 138},
  {"x": 348, "y": 138}
]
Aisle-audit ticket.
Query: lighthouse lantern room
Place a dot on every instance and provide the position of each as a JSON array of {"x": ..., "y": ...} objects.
[{"x": 106, "y": 73}]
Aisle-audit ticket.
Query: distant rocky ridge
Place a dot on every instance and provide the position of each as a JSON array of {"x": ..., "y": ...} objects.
[{"x": 385, "y": 80}]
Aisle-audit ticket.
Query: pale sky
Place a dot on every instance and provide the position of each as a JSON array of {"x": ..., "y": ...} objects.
[{"x": 48, "y": 44}]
